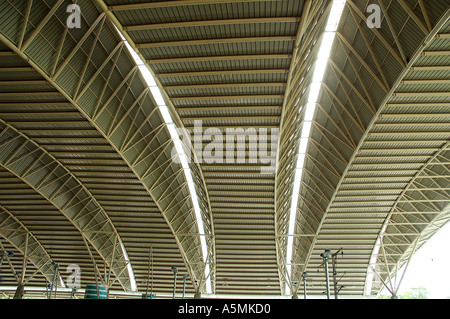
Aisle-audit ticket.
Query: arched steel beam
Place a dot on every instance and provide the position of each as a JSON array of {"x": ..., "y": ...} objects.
[
  {"x": 355, "y": 86},
  {"x": 199, "y": 179},
  {"x": 315, "y": 13},
  {"x": 48, "y": 177},
  {"x": 380, "y": 259},
  {"x": 18, "y": 235},
  {"x": 383, "y": 99}
]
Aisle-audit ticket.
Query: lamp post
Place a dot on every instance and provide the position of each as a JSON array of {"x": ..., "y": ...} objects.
[
  {"x": 304, "y": 284},
  {"x": 175, "y": 271},
  {"x": 185, "y": 276},
  {"x": 325, "y": 255}
]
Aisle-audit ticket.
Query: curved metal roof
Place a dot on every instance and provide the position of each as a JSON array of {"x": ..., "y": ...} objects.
[{"x": 87, "y": 169}]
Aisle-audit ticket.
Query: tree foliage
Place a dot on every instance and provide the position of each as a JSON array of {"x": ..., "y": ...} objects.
[
  {"x": 412, "y": 293},
  {"x": 416, "y": 293}
]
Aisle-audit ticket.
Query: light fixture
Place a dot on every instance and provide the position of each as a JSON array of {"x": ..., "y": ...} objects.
[{"x": 314, "y": 91}]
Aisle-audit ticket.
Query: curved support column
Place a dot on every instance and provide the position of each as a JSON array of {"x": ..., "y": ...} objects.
[{"x": 28, "y": 245}]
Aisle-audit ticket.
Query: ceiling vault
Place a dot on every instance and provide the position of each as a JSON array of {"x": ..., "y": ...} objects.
[
  {"x": 26, "y": 159},
  {"x": 172, "y": 131}
]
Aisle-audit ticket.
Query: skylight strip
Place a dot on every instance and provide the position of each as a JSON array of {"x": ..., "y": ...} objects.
[
  {"x": 165, "y": 113},
  {"x": 314, "y": 91},
  {"x": 129, "y": 268},
  {"x": 373, "y": 261}
]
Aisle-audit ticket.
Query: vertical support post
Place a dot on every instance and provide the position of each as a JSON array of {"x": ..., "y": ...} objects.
[
  {"x": 21, "y": 286},
  {"x": 327, "y": 278},
  {"x": 151, "y": 288},
  {"x": 325, "y": 255},
  {"x": 150, "y": 269},
  {"x": 96, "y": 278},
  {"x": 56, "y": 266},
  {"x": 19, "y": 291}
]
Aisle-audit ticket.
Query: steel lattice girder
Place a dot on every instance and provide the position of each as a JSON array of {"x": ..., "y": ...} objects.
[
  {"x": 42, "y": 172},
  {"x": 29, "y": 246},
  {"x": 353, "y": 76}
]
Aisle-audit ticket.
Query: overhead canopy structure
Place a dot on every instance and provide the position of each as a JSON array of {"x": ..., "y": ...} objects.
[{"x": 92, "y": 172}]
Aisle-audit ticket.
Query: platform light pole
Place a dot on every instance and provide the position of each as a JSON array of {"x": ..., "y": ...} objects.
[
  {"x": 334, "y": 262},
  {"x": 304, "y": 284},
  {"x": 325, "y": 255},
  {"x": 175, "y": 271},
  {"x": 185, "y": 276}
]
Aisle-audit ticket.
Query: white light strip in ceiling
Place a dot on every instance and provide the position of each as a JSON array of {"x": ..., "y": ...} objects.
[
  {"x": 129, "y": 268},
  {"x": 159, "y": 99},
  {"x": 319, "y": 71}
]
